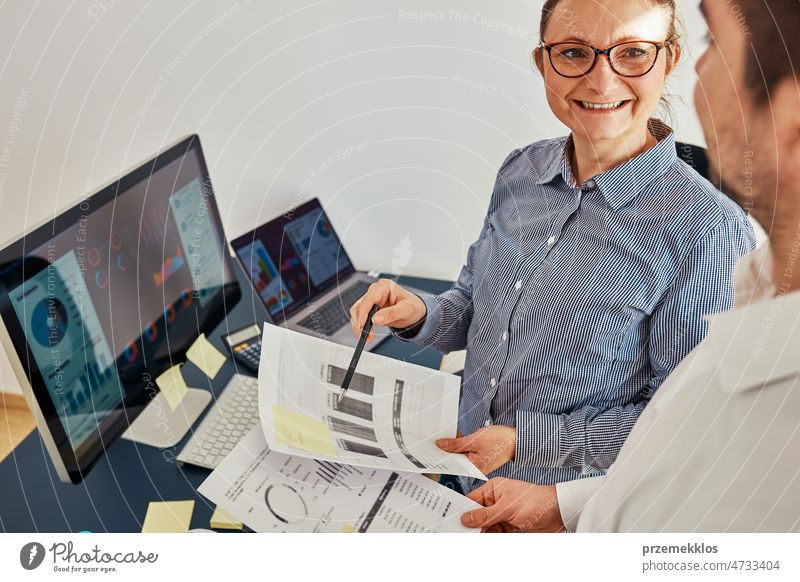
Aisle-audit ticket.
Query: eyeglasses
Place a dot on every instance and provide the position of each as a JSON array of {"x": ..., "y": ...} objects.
[{"x": 633, "y": 58}]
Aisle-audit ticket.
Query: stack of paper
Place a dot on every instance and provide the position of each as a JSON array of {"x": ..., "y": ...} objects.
[
  {"x": 390, "y": 417},
  {"x": 317, "y": 464}
]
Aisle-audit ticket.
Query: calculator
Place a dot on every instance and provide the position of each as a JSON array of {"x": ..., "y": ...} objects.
[{"x": 245, "y": 345}]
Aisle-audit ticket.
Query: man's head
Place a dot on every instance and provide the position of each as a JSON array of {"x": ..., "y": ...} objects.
[{"x": 748, "y": 101}]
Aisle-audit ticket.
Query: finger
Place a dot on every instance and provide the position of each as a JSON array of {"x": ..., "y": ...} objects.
[
  {"x": 483, "y": 517},
  {"x": 483, "y": 494},
  {"x": 481, "y": 461},
  {"x": 392, "y": 314},
  {"x": 354, "y": 311},
  {"x": 377, "y": 294},
  {"x": 458, "y": 445},
  {"x": 354, "y": 317}
]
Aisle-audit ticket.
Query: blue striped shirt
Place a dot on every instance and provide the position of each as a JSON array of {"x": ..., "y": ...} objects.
[{"x": 576, "y": 302}]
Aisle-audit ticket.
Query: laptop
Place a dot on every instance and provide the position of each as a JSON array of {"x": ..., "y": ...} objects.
[{"x": 303, "y": 275}]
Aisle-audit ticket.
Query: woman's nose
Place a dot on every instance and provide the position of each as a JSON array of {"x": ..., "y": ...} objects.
[{"x": 602, "y": 76}]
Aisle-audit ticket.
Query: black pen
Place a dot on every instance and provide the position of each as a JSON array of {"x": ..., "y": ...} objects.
[{"x": 351, "y": 369}]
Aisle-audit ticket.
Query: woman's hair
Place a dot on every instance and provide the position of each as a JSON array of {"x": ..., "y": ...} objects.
[{"x": 668, "y": 6}]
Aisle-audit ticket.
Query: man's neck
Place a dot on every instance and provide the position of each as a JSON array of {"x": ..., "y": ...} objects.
[{"x": 592, "y": 158}]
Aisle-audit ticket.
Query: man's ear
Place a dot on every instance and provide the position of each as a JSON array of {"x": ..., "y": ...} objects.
[{"x": 538, "y": 59}]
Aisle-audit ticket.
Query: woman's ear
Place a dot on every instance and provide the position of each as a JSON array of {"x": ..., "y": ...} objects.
[
  {"x": 538, "y": 59},
  {"x": 673, "y": 57}
]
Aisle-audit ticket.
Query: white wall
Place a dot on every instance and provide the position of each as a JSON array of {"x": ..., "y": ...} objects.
[{"x": 358, "y": 102}]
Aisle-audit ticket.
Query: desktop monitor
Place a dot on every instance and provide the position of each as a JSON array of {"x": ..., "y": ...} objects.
[{"x": 101, "y": 299}]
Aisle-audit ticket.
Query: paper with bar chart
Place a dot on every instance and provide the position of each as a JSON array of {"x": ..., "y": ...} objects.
[
  {"x": 273, "y": 492},
  {"x": 390, "y": 417}
]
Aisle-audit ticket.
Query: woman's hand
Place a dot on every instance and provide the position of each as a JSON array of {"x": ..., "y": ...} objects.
[
  {"x": 398, "y": 308},
  {"x": 514, "y": 506},
  {"x": 488, "y": 448}
]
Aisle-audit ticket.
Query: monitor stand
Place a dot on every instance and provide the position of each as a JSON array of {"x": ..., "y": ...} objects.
[{"x": 159, "y": 426}]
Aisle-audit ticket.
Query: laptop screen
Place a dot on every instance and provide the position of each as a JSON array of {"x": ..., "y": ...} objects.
[{"x": 293, "y": 259}]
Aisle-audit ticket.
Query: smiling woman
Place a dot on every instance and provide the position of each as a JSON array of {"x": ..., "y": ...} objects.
[
  {"x": 606, "y": 95},
  {"x": 599, "y": 257}
]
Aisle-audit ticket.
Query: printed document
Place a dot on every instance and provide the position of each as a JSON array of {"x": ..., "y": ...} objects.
[
  {"x": 272, "y": 492},
  {"x": 389, "y": 418}
]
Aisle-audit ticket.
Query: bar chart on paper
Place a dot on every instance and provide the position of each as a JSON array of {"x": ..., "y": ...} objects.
[{"x": 389, "y": 418}]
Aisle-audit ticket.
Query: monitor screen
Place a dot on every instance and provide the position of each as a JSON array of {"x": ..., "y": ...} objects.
[
  {"x": 109, "y": 294},
  {"x": 293, "y": 258}
]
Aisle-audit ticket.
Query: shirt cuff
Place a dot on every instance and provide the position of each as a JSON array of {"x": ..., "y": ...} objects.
[
  {"x": 424, "y": 330},
  {"x": 538, "y": 439},
  {"x": 573, "y": 497}
]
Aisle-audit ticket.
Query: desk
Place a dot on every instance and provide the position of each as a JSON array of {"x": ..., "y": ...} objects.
[{"x": 116, "y": 492}]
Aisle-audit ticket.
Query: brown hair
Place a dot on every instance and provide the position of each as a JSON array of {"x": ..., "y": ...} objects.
[
  {"x": 774, "y": 47},
  {"x": 667, "y": 5}
]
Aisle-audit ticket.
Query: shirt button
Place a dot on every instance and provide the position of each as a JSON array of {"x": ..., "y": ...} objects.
[
  {"x": 505, "y": 336},
  {"x": 518, "y": 285},
  {"x": 493, "y": 382},
  {"x": 551, "y": 241},
  {"x": 488, "y": 423},
  {"x": 590, "y": 184}
]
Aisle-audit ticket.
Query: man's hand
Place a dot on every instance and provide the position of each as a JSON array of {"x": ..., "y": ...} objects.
[
  {"x": 398, "y": 308},
  {"x": 514, "y": 506},
  {"x": 488, "y": 448}
]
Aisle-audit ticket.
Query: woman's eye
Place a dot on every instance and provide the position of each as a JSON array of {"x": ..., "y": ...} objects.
[
  {"x": 634, "y": 53},
  {"x": 573, "y": 54}
]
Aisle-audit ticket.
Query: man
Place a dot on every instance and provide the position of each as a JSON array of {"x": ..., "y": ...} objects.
[{"x": 718, "y": 447}]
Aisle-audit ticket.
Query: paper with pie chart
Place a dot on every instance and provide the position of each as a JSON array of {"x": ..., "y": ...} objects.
[
  {"x": 390, "y": 417},
  {"x": 272, "y": 492}
]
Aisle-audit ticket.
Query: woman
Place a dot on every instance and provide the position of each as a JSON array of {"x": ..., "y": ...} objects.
[{"x": 600, "y": 254}]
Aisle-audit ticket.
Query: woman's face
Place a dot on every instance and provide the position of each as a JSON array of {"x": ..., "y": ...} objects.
[{"x": 601, "y": 24}]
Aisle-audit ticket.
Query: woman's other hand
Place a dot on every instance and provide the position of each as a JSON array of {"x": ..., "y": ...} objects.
[{"x": 488, "y": 448}]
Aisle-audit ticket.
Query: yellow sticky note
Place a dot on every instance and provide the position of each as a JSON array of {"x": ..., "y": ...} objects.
[
  {"x": 168, "y": 517},
  {"x": 172, "y": 385},
  {"x": 347, "y": 528},
  {"x": 299, "y": 430},
  {"x": 224, "y": 520},
  {"x": 205, "y": 356}
]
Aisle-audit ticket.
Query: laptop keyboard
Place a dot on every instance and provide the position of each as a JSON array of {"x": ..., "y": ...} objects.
[{"x": 335, "y": 314}]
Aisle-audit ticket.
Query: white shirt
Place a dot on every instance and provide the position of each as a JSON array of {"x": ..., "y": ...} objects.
[{"x": 718, "y": 446}]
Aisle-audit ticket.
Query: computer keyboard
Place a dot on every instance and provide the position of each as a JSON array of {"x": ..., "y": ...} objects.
[
  {"x": 335, "y": 314},
  {"x": 229, "y": 420}
]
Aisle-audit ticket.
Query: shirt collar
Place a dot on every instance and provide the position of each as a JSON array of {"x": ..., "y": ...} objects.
[
  {"x": 756, "y": 344},
  {"x": 622, "y": 183},
  {"x": 548, "y": 162}
]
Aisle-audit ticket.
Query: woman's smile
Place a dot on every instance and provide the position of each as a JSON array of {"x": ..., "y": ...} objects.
[{"x": 605, "y": 106}]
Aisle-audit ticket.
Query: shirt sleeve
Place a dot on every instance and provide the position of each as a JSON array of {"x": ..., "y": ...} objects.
[
  {"x": 592, "y": 436},
  {"x": 449, "y": 314},
  {"x": 573, "y": 497}
]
